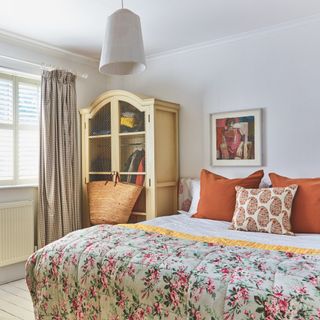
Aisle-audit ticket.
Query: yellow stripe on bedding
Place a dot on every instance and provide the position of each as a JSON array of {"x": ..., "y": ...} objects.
[{"x": 221, "y": 241}]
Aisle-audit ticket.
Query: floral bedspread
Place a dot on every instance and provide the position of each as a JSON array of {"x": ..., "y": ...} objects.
[{"x": 115, "y": 272}]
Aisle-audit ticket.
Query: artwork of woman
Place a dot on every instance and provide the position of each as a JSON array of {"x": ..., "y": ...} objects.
[
  {"x": 233, "y": 138},
  {"x": 236, "y": 138}
]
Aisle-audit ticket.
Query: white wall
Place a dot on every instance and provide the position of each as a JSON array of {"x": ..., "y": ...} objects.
[
  {"x": 174, "y": 79},
  {"x": 277, "y": 70}
]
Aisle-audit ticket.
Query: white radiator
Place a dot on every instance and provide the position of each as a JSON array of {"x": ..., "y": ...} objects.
[{"x": 16, "y": 231}]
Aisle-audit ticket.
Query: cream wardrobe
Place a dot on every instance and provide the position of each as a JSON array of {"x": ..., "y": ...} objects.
[{"x": 137, "y": 137}]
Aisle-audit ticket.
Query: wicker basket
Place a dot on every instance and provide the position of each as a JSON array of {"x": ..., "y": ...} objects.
[{"x": 110, "y": 202}]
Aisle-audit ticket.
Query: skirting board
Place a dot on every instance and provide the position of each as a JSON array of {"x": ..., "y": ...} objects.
[{"x": 12, "y": 273}]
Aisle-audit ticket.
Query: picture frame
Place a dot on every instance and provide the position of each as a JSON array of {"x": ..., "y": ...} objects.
[{"x": 236, "y": 138}]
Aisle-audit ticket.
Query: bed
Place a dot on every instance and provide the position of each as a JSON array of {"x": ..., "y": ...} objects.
[{"x": 176, "y": 267}]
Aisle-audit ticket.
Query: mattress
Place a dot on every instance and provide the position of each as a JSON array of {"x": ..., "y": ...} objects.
[{"x": 203, "y": 227}]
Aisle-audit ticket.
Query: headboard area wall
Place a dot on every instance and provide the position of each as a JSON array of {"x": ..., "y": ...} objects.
[
  {"x": 275, "y": 69},
  {"x": 278, "y": 72}
]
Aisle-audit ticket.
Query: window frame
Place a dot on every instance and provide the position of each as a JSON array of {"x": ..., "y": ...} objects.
[{"x": 15, "y": 127}]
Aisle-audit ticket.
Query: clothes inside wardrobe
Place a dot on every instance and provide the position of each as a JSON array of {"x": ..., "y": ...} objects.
[
  {"x": 136, "y": 163},
  {"x": 141, "y": 168}
]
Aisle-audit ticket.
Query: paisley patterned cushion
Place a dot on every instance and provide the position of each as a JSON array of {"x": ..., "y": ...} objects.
[{"x": 264, "y": 210}]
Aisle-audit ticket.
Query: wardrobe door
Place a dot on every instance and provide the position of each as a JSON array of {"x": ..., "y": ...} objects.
[
  {"x": 132, "y": 152},
  {"x": 99, "y": 144}
]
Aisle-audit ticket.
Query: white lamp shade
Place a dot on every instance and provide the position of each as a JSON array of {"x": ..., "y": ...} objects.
[{"x": 122, "y": 51}]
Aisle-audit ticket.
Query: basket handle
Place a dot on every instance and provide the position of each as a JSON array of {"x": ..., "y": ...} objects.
[{"x": 115, "y": 178}]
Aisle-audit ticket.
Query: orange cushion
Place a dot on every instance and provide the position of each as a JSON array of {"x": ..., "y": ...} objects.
[
  {"x": 218, "y": 194},
  {"x": 305, "y": 217}
]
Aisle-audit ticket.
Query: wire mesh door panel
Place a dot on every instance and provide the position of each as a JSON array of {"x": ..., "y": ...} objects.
[{"x": 100, "y": 144}]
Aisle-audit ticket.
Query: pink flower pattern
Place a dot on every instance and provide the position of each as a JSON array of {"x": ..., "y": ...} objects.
[{"x": 113, "y": 272}]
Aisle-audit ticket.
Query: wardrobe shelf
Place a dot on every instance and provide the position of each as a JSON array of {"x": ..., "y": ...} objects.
[
  {"x": 138, "y": 133},
  {"x": 100, "y": 136},
  {"x": 133, "y": 173},
  {"x": 137, "y": 213},
  {"x": 100, "y": 172}
]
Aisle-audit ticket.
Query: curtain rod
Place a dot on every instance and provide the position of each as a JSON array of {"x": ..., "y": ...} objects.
[{"x": 43, "y": 66}]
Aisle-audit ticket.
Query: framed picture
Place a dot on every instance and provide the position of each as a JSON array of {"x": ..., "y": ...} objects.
[{"x": 236, "y": 138}]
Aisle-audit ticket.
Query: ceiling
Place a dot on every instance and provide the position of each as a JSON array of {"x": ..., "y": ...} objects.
[{"x": 78, "y": 25}]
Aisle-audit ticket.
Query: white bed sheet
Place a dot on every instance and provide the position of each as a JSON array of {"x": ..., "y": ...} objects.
[{"x": 203, "y": 227}]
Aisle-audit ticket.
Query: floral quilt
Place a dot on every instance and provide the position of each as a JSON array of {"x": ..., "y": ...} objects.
[{"x": 121, "y": 272}]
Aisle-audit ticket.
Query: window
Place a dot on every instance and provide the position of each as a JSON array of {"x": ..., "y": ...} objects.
[{"x": 19, "y": 130}]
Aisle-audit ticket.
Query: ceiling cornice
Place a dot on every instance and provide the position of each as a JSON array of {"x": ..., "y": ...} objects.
[
  {"x": 13, "y": 38},
  {"x": 236, "y": 37},
  {"x": 56, "y": 51}
]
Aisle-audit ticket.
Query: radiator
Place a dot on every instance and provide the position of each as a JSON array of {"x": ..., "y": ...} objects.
[{"x": 16, "y": 232}]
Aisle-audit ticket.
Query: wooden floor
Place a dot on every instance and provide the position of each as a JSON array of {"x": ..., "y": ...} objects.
[{"x": 15, "y": 301}]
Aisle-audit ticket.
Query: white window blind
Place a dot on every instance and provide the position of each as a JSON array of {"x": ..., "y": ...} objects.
[
  {"x": 19, "y": 130},
  {"x": 6, "y": 101}
]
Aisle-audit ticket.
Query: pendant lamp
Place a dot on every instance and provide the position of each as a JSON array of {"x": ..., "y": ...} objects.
[{"x": 122, "y": 50}]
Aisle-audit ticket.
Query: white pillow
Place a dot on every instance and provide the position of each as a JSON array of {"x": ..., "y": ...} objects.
[{"x": 195, "y": 194}]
